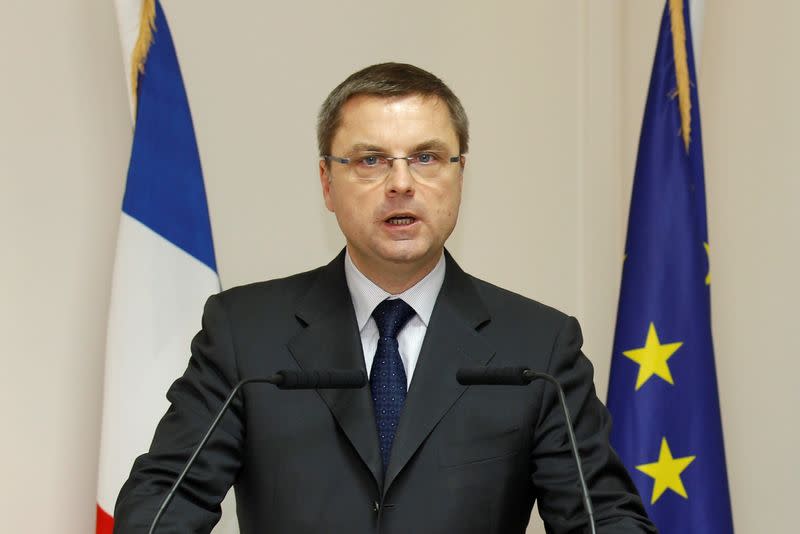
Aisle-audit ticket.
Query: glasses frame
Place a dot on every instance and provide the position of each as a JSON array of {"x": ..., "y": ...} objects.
[{"x": 390, "y": 159}]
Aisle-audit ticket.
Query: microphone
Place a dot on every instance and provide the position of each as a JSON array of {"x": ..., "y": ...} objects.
[
  {"x": 522, "y": 376},
  {"x": 283, "y": 379},
  {"x": 492, "y": 376},
  {"x": 321, "y": 379}
]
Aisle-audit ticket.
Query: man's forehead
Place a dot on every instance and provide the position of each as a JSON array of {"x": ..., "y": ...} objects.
[
  {"x": 363, "y": 102},
  {"x": 407, "y": 114}
]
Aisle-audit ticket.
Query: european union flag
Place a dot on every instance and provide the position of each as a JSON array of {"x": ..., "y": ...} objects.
[{"x": 663, "y": 386}]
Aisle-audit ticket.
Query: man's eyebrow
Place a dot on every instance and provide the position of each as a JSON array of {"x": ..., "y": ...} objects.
[
  {"x": 431, "y": 144},
  {"x": 365, "y": 147}
]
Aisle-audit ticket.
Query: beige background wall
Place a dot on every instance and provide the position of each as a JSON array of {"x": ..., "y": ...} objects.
[{"x": 555, "y": 93}]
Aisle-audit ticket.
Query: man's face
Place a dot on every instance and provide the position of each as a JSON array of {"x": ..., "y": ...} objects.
[{"x": 398, "y": 225}]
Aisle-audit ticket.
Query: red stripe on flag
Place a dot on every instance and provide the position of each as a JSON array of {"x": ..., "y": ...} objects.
[{"x": 105, "y": 523}]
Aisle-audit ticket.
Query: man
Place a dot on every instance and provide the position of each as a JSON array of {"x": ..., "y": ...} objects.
[{"x": 415, "y": 451}]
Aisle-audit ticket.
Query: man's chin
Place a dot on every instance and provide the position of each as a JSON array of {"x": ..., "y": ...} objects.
[
  {"x": 406, "y": 254},
  {"x": 413, "y": 263}
]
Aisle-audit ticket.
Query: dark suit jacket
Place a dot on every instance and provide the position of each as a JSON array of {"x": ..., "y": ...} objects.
[{"x": 465, "y": 459}]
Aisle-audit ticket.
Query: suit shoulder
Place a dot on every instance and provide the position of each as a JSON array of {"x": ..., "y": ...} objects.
[
  {"x": 276, "y": 292},
  {"x": 505, "y": 303},
  {"x": 521, "y": 325}
]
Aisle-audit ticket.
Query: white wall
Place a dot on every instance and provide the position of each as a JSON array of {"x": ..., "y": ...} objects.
[
  {"x": 555, "y": 93},
  {"x": 64, "y": 143},
  {"x": 751, "y": 134}
]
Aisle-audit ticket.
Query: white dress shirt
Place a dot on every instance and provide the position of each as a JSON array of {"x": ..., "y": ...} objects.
[{"x": 366, "y": 296}]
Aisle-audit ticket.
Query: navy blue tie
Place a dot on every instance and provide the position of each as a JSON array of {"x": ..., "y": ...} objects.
[{"x": 387, "y": 379}]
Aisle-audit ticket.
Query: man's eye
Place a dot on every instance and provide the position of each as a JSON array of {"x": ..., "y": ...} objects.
[
  {"x": 369, "y": 161},
  {"x": 426, "y": 158}
]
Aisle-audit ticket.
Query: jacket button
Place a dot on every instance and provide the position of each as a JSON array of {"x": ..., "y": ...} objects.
[{"x": 376, "y": 506}]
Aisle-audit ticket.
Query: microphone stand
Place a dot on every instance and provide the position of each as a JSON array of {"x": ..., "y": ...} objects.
[
  {"x": 587, "y": 502},
  {"x": 522, "y": 376}
]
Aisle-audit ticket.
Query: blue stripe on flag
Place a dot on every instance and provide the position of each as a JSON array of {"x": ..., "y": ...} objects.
[
  {"x": 664, "y": 302},
  {"x": 165, "y": 188}
]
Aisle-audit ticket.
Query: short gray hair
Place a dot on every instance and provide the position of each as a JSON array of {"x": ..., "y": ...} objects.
[{"x": 388, "y": 80}]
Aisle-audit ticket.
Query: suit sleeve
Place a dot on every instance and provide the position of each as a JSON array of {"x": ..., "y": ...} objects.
[
  {"x": 617, "y": 505},
  {"x": 195, "y": 399}
]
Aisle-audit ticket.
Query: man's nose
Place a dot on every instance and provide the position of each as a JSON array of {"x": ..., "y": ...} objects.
[{"x": 400, "y": 180}]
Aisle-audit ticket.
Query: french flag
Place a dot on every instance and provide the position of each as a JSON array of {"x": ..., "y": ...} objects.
[{"x": 164, "y": 268}]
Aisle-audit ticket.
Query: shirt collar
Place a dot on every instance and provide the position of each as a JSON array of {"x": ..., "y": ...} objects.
[{"x": 366, "y": 295}]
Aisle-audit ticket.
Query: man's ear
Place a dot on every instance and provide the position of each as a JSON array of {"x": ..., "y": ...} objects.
[
  {"x": 462, "y": 163},
  {"x": 325, "y": 182}
]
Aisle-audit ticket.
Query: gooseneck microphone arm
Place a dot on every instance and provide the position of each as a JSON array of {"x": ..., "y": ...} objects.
[
  {"x": 285, "y": 379},
  {"x": 522, "y": 376},
  {"x": 587, "y": 502}
]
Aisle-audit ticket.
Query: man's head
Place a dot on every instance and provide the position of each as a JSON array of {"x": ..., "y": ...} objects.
[{"x": 391, "y": 169}]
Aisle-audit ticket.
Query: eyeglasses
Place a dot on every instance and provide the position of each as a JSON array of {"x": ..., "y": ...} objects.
[{"x": 376, "y": 167}]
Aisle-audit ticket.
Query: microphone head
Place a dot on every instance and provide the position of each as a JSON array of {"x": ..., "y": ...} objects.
[
  {"x": 501, "y": 376},
  {"x": 323, "y": 378}
]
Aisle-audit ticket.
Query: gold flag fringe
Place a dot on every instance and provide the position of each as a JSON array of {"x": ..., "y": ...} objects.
[
  {"x": 147, "y": 26},
  {"x": 681, "y": 68}
]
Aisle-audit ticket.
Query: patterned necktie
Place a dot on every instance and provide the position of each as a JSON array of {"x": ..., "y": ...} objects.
[{"x": 387, "y": 378}]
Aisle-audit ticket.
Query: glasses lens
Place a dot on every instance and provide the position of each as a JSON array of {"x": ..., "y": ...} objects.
[
  {"x": 426, "y": 172},
  {"x": 370, "y": 167},
  {"x": 425, "y": 165}
]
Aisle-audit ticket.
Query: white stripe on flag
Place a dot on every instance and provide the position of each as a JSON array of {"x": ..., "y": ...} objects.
[{"x": 156, "y": 303}]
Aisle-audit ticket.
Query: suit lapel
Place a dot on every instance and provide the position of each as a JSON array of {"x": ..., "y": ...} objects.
[
  {"x": 451, "y": 341},
  {"x": 331, "y": 340}
]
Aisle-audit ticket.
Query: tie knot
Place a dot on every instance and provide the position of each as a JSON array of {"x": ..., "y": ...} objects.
[{"x": 391, "y": 316}]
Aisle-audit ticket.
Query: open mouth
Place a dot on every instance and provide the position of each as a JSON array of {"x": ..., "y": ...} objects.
[{"x": 401, "y": 220}]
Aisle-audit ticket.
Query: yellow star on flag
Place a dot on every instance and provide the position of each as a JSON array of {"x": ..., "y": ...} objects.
[
  {"x": 666, "y": 472},
  {"x": 652, "y": 358},
  {"x": 708, "y": 253}
]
